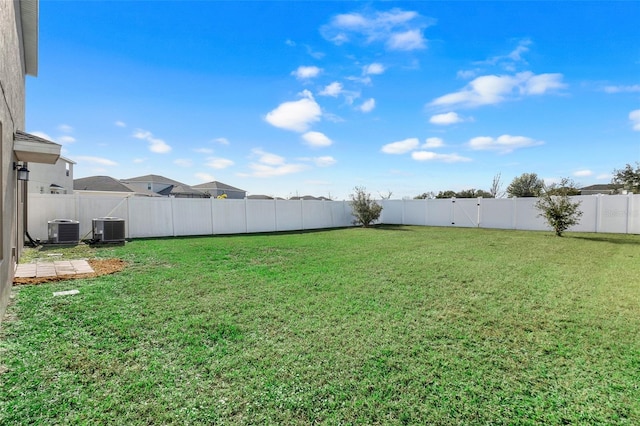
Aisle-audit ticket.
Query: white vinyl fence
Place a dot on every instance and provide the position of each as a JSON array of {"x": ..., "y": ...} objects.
[
  {"x": 600, "y": 213},
  {"x": 162, "y": 217}
]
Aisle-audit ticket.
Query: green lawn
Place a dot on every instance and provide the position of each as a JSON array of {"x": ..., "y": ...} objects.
[{"x": 387, "y": 325}]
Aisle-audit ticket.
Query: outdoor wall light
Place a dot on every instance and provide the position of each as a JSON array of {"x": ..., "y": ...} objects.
[{"x": 23, "y": 172}]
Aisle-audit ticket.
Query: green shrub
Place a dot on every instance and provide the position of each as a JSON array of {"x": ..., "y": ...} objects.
[{"x": 364, "y": 208}]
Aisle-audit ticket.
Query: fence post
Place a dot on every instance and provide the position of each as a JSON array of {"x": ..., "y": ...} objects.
[
  {"x": 173, "y": 217},
  {"x": 598, "y": 211},
  {"x": 128, "y": 207},
  {"x": 246, "y": 214},
  {"x": 628, "y": 224}
]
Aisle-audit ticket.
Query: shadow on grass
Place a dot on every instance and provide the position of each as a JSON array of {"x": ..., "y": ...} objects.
[
  {"x": 391, "y": 228},
  {"x": 606, "y": 239}
]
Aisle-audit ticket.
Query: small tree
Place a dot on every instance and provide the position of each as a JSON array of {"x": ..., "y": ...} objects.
[
  {"x": 446, "y": 194},
  {"x": 473, "y": 193},
  {"x": 628, "y": 177},
  {"x": 425, "y": 196},
  {"x": 496, "y": 186},
  {"x": 526, "y": 185},
  {"x": 364, "y": 208},
  {"x": 557, "y": 208}
]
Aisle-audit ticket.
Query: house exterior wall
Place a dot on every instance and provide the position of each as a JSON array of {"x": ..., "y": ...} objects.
[
  {"x": 12, "y": 116},
  {"x": 41, "y": 177}
]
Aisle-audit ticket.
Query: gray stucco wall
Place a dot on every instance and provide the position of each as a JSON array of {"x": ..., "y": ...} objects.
[{"x": 12, "y": 116}]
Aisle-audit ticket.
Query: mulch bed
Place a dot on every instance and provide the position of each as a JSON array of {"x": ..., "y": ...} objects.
[{"x": 100, "y": 267}]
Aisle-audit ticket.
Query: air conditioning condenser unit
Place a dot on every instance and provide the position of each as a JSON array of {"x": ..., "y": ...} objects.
[
  {"x": 64, "y": 231},
  {"x": 108, "y": 230}
]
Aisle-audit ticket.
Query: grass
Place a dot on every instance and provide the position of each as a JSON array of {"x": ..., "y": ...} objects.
[{"x": 388, "y": 325}]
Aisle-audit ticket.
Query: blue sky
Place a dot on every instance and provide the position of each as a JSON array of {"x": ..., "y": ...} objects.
[{"x": 295, "y": 98}]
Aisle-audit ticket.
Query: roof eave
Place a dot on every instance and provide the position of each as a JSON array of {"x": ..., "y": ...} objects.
[
  {"x": 33, "y": 149},
  {"x": 29, "y": 22}
]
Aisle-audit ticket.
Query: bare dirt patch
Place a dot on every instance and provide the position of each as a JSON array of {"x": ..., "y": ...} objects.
[{"x": 100, "y": 267}]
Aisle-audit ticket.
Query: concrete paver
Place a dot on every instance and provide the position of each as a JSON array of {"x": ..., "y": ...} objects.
[{"x": 42, "y": 269}]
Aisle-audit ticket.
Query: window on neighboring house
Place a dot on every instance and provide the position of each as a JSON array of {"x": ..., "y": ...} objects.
[
  {"x": 149, "y": 186},
  {"x": 68, "y": 172}
]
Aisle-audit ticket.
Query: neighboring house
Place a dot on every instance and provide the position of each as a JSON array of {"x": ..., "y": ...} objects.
[
  {"x": 216, "y": 188},
  {"x": 101, "y": 184},
  {"x": 606, "y": 189},
  {"x": 259, "y": 197},
  {"x": 20, "y": 150},
  {"x": 163, "y": 186},
  {"x": 52, "y": 178},
  {"x": 310, "y": 198}
]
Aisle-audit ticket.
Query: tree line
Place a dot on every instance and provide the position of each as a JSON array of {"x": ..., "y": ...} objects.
[{"x": 530, "y": 185}]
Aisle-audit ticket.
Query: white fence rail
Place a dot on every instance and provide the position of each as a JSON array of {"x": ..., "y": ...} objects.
[{"x": 162, "y": 217}]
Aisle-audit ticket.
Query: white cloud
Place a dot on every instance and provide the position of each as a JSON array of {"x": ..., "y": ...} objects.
[
  {"x": 408, "y": 40},
  {"x": 42, "y": 135},
  {"x": 183, "y": 162},
  {"x": 203, "y": 150},
  {"x": 503, "y": 144},
  {"x": 120, "y": 123},
  {"x": 269, "y": 165},
  {"x": 368, "y": 105},
  {"x": 373, "y": 69},
  {"x": 66, "y": 139},
  {"x": 333, "y": 89},
  {"x": 466, "y": 74},
  {"x": 324, "y": 161},
  {"x": 583, "y": 173},
  {"x": 401, "y": 147},
  {"x": 604, "y": 176},
  {"x": 432, "y": 143},
  {"x": 263, "y": 170},
  {"x": 396, "y": 29},
  {"x": 634, "y": 116},
  {"x": 622, "y": 89},
  {"x": 305, "y": 73},
  {"x": 95, "y": 160},
  {"x": 508, "y": 61},
  {"x": 139, "y": 160},
  {"x": 445, "y": 119},
  {"x": 65, "y": 128},
  {"x": 219, "y": 163},
  {"x": 221, "y": 141},
  {"x": 432, "y": 156},
  {"x": 494, "y": 89},
  {"x": 316, "y": 139},
  {"x": 205, "y": 177},
  {"x": 295, "y": 115},
  {"x": 268, "y": 158},
  {"x": 155, "y": 145},
  {"x": 332, "y": 117}
]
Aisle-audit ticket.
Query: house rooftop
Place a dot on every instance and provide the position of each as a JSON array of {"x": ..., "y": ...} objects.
[
  {"x": 601, "y": 187},
  {"x": 217, "y": 185},
  {"x": 106, "y": 183},
  {"x": 153, "y": 179}
]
